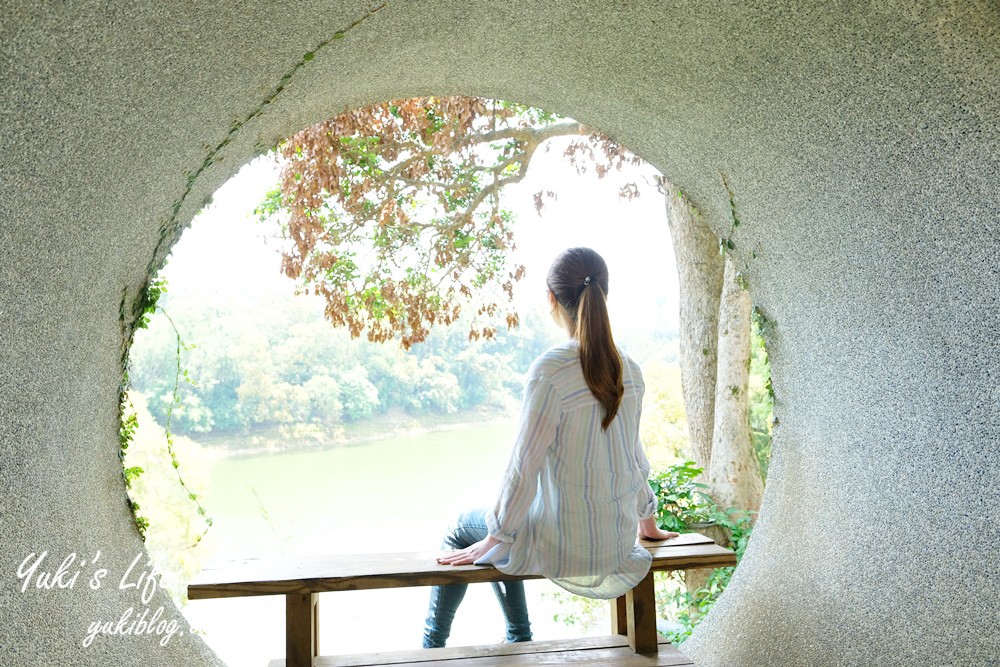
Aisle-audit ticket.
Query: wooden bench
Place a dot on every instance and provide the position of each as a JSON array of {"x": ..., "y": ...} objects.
[{"x": 302, "y": 579}]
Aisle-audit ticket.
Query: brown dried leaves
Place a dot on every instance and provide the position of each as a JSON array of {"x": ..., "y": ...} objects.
[{"x": 393, "y": 210}]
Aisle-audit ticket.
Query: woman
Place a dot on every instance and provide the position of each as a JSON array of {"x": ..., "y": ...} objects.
[{"x": 575, "y": 490}]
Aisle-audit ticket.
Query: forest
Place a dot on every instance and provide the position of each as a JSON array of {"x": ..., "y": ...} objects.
[
  {"x": 244, "y": 366},
  {"x": 274, "y": 364}
]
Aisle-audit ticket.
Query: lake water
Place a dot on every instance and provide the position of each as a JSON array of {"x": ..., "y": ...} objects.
[{"x": 386, "y": 496}]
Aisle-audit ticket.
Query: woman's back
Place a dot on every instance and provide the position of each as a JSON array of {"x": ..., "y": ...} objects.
[
  {"x": 590, "y": 456},
  {"x": 577, "y": 523}
]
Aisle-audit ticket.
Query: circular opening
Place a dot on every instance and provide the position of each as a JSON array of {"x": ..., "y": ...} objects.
[{"x": 254, "y": 392}]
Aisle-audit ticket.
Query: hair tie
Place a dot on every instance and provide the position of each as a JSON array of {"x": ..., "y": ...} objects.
[{"x": 586, "y": 281}]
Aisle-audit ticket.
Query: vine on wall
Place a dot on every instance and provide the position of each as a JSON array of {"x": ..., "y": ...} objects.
[{"x": 129, "y": 421}]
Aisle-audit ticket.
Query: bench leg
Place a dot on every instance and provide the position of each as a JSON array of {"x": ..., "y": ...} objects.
[
  {"x": 640, "y": 612},
  {"x": 619, "y": 616},
  {"x": 301, "y": 629}
]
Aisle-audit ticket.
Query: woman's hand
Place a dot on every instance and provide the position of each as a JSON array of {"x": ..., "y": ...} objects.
[
  {"x": 470, "y": 553},
  {"x": 650, "y": 531}
]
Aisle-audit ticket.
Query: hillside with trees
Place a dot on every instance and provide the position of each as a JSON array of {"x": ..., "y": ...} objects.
[{"x": 250, "y": 365}]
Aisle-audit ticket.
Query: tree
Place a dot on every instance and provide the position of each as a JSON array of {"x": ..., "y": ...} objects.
[
  {"x": 392, "y": 212},
  {"x": 733, "y": 473},
  {"x": 715, "y": 328},
  {"x": 715, "y": 323},
  {"x": 358, "y": 396},
  {"x": 700, "y": 269}
]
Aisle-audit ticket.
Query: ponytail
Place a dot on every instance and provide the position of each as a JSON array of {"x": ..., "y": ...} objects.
[
  {"x": 602, "y": 365},
  {"x": 579, "y": 280}
]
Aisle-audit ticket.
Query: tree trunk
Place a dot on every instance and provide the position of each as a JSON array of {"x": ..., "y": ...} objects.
[
  {"x": 699, "y": 270},
  {"x": 734, "y": 474}
]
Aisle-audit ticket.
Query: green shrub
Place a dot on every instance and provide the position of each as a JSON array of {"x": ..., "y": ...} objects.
[
  {"x": 682, "y": 500},
  {"x": 683, "y": 504}
]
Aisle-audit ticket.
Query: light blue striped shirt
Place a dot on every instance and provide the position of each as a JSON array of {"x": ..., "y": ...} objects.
[{"x": 573, "y": 494}]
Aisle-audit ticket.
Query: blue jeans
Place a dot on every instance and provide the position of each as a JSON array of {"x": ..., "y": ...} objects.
[{"x": 469, "y": 529}]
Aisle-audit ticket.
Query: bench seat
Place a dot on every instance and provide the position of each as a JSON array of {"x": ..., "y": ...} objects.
[
  {"x": 609, "y": 651},
  {"x": 302, "y": 578},
  {"x": 353, "y": 572}
]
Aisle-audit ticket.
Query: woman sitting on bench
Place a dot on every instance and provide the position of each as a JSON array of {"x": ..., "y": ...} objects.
[{"x": 575, "y": 493}]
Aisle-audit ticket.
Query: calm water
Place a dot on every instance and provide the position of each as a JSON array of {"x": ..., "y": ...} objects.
[{"x": 391, "y": 495}]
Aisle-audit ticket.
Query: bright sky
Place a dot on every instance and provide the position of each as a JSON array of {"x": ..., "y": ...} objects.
[{"x": 225, "y": 239}]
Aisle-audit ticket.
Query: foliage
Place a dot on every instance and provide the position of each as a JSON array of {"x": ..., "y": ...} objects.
[
  {"x": 129, "y": 422},
  {"x": 126, "y": 433},
  {"x": 586, "y": 613},
  {"x": 683, "y": 505},
  {"x": 392, "y": 212},
  {"x": 663, "y": 427},
  {"x": 689, "y": 608},
  {"x": 726, "y": 242},
  {"x": 174, "y": 398},
  {"x": 761, "y": 394},
  {"x": 129, "y": 419},
  {"x": 171, "y": 530},
  {"x": 283, "y": 366},
  {"x": 682, "y": 501}
]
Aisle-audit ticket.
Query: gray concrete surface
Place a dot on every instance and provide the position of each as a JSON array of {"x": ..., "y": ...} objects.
[{"x": 861, "y": 142}]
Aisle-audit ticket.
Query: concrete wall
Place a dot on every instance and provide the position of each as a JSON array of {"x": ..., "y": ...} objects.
[{"x": 861, "y": 142}]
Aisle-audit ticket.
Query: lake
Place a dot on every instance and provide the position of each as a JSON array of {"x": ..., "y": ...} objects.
[{"x": 398, "y": 494}]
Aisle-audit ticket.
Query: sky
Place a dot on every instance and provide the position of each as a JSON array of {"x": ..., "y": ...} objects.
[{"x": 225, "y": 239}]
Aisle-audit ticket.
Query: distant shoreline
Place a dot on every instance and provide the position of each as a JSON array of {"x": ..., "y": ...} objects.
[{"x": 310, "y": 436}]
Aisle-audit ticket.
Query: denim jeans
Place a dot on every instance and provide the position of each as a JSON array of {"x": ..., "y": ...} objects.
[{"x": 469, "y": 529}]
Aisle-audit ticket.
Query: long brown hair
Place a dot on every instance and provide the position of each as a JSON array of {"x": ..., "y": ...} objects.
[{"x": 579, "y": 279}]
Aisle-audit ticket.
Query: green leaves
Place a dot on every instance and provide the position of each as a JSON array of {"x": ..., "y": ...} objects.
[
  {"x": 725, "y": 244},
  {"x": 683, "y": 502},
  {"x": 131, "y": 474},
  {"x": 147, "y": 302},
  {"x": 129, "y": 419},
  {"x": 270, "y": 205},
  {"x": 462, "y": 239},
  {"x": 129, "y": 423}
]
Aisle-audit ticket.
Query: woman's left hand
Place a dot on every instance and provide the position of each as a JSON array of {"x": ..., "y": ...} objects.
[
  {"x": 649, "y": 530},
  {"x": 470, "y": 553}
]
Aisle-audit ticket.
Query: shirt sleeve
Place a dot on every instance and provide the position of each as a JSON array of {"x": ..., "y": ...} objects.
[
  {"x": 540, "y": 414},
  {"x": 648, "y": 502}
]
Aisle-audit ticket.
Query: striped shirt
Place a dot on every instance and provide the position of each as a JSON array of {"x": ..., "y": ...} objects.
[{"x": 573, "y": 494}]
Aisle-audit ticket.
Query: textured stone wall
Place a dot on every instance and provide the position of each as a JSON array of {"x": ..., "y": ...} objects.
[{"x": 861, "y": 143}]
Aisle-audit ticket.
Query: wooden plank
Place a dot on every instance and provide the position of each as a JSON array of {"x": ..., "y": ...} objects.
[
  {"x": 402, "y": 564},
  {"x": 342, "y": 575},
  {"x": 684, "y": 539},
  {"x": 482, "y": 650},
  {"x": 619, "y": 617},
  {"x": 609, "y": 650},
  {"x": 301, "y": 628},
  {"x": 276, "y": 576},
  {"x": 396, "y": 563},
  {"x": 686, "y": 558},
  {"x": 640, "y": 611}
]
